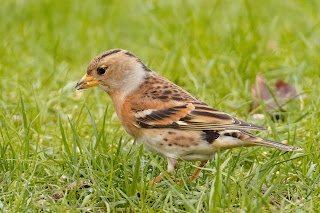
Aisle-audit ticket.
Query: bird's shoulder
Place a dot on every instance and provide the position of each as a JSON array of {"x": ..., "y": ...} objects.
[{"x": 156, "y": 87}]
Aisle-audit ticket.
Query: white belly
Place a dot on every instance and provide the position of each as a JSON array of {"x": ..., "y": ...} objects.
[{"x": 202, "y": 151}]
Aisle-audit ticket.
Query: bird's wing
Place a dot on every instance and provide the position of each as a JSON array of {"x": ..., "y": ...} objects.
[{"x": 191, "y": 116}]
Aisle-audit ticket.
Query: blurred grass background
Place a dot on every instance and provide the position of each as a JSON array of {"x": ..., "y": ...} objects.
[{"x": 51, "y": 136}]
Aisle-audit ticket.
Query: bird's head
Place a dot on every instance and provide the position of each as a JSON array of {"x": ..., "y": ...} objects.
[{"x": 115, "y": 70}]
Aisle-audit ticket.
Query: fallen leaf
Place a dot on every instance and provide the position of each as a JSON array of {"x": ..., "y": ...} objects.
[
  {"x": 259, "y": 91},
  {"x": 274, "y": 100},
  {"x": 285, "y": 90}
]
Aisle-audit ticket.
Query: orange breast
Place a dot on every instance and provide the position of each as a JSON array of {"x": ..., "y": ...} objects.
[{"x": 125, "y": 114}]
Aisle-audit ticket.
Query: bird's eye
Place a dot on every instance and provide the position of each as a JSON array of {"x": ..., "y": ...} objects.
[{"x": 102, "y": 70}]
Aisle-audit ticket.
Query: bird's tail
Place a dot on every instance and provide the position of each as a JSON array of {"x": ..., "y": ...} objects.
[
  {"x": 252, "y": 140},
  {"x": 273, "y": 144}
]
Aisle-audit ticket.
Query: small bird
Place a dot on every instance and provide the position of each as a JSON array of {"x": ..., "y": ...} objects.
[{"x": 165, "y": 118}]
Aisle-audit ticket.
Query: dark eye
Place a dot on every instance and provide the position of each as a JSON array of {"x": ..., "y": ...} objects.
[{"x": 102, "y": 70}]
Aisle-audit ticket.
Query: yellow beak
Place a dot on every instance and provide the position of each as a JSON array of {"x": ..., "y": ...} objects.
[{"x": 86, "y": 82}]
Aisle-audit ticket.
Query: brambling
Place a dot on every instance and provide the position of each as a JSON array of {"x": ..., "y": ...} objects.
[{"x": 165, "y": 118}]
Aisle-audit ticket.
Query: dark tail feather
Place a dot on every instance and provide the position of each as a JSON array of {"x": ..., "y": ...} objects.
[{"x": 273, "y": 144}]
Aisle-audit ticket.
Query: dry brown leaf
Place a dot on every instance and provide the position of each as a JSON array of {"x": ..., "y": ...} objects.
[
  {"x": 261, "y": 93},
  {"x": 285, "y": 90}
]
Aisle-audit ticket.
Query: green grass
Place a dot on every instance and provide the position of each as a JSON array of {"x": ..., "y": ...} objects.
[{"x": 51, "y": 136}]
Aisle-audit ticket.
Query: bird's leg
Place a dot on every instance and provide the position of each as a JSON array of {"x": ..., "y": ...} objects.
[
  {"x": 172, "y": 165},
  {"x": 195, "y": 174}
]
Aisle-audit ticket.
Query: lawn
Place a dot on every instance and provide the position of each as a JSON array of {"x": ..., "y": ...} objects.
[{"x": 63, "y": 151}]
